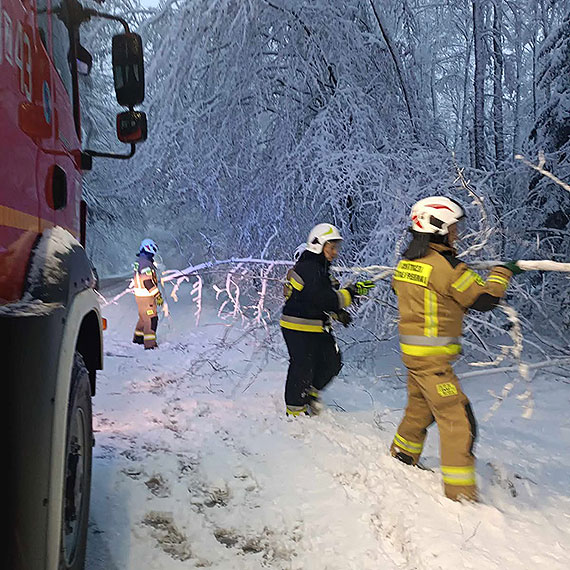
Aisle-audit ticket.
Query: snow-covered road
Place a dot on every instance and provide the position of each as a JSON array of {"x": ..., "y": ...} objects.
[{"x": 195, "y": 465}]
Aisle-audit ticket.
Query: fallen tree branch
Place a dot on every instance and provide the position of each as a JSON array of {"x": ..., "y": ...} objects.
[{"x": 540, "y": 168}]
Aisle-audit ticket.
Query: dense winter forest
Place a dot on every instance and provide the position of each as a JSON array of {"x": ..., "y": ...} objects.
[{"x": 267, "y": 116}]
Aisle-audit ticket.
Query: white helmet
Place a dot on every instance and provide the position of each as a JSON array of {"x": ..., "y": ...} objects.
[
  {"x": 149, "y": 246},
  {"x": 319, "y": 235},
  {"x": 435, "y": 214}
]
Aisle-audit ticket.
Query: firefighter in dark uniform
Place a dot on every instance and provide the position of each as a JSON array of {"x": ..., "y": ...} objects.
[
  {"x": 147, "y": 295},
  {"x": 435, "y": 290},
  {"x": 314, "y": 357}
]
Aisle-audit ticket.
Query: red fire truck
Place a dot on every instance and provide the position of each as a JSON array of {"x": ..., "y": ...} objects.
[{"x": 50, "y": 323}]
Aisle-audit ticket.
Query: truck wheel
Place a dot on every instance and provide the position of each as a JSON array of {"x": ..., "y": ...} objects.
[{"x": 77, "y": 484}]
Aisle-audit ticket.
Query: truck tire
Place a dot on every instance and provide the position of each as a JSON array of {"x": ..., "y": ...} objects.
[{"x": 78, "y": 458}]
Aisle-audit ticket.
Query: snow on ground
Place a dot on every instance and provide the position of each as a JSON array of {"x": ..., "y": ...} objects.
[{"x": 195, "y": 465}]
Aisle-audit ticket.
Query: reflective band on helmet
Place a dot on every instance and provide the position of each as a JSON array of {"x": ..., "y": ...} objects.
[
  {"x": 458, "y": 476},
  {"x": 430, "y": 313},
  {"x": 416, "y": 350},
  {"x": 407, "y": 445},
  {"x": 498, "y": 279}
]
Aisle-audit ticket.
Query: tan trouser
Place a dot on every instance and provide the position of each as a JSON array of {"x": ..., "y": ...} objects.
[
  {"x": 434, "y": 393},
  {"x": 148, "y": 321}
]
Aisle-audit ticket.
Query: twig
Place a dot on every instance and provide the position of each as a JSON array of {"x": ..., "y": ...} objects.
[{"x": 540, "y": 168}]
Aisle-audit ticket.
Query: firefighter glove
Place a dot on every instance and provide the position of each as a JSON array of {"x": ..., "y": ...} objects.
[
  {"x": 344, "y": 317},
  {"x": 159, "y": 300},
  {"x": 363, "y": 287},
  {"x": 513, "y": 267}
]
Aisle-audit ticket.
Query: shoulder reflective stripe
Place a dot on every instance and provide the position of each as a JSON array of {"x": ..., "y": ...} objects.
[
  {"x": 415, "y": 350},
  {"x": 459, "y": 476},
  {"x": 498, "y": 279},
  {"x": 413, "y": 272},
  {"x": 430, "y": 313},
  {"x": 344, "y": 298},
  {"x": 465, "y": 281},
  {"x": 295, "y": 284},
  {"x": 407, "y": 445},
  {"x": 429, "y": 341}
]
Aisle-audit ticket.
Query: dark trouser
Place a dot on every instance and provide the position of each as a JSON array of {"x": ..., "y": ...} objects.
[
  {"x": 145, "y": 331},
  {"x": 434, "y": 393},
  {"x": 314, "y": 360}
]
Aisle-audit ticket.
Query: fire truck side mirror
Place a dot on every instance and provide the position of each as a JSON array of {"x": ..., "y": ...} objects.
[
  {"x": 131, "y": 127},
  {"x": 128, "y": 69}
]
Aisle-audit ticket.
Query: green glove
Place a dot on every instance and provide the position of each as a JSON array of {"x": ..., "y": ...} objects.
[
  {"x": 159, "y": 300},
  {"x": 363, "y": 287},
  {"x": 513, "y": 267}
]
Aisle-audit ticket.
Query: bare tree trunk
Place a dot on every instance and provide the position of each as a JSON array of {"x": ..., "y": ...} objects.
[
  {"x": 397, "y": 63},
  {"x": 479, "y": 85},
  {"x": 518, "y": 67},
  {"x": 498, "y": 83}
]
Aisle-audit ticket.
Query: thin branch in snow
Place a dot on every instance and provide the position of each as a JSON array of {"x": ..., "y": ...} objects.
[{"x": 540, "y": 168}]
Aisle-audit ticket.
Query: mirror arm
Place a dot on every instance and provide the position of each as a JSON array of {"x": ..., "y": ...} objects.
[
  {"x": 111, "y": 154},
  {"x": 90, "y": 13}
]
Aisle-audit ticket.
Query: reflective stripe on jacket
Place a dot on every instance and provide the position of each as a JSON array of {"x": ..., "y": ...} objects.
[
  {"x": 434, "y": 292},
  {"x": 145, "y": 278}
]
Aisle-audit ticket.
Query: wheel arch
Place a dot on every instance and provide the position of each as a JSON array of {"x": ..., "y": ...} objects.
[{"x": 90, "y": 345}]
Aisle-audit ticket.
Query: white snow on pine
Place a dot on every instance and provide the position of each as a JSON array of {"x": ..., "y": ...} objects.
[{"x": 195, "y": 465}]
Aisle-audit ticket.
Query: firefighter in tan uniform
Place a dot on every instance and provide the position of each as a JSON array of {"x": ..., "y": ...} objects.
[
  {"x": 147, "y": 295},
  {"x": 435, "y": 290}
]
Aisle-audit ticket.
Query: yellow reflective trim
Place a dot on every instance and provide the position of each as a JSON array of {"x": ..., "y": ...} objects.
[
  {"x": 458, "y": 476},
  {"x": 416, "y": 350},
  {"x": 296, "y": 412},
  {"x": 139, "y": 333},
  {"x": 149, "y": 336},
  {"x": 296, "y": 284},
  {"x": 300, "y": 327},
  {"x": 150, "y": 312},
  {"x": 466, "y": 482},
  {"x": 430, "y": 313},
  {"x": 465, "y": 281},
  {"x": 413, "y": 272},
  {"x": 406, "y": 445},
  {"x": 446, "y": 389},
  {"x": 346, "y": 296},
  {"x": 498, "y": 279}
]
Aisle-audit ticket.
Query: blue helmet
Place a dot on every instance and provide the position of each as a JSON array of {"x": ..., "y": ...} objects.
[{"x": 149, "y": 246}]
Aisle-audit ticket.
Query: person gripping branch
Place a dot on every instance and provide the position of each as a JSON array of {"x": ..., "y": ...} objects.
[
  {"x": 147, "y": 295},
  {"x": 435, "y": 289},
  {"x": 311, "y": 296}
]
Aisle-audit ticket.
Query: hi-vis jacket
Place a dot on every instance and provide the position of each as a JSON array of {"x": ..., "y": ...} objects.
[
  {"x": 311, "y": 295},
  {"x": 434, "y": 292},
  {"x": 145, "y": 279}
]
